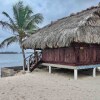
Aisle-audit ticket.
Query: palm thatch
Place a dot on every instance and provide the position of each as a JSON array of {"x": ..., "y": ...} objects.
[{"x": 80, "y": 27}]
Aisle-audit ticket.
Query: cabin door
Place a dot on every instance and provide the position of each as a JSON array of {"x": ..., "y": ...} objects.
[
  {"x": 87, "y": 55},
  {"x": 98, "y": 55}
]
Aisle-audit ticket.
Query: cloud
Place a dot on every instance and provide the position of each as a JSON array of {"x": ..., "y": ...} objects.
[{"x": 51, "y": 10}]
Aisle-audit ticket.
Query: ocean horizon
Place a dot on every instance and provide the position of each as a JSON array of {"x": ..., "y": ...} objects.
[{"x": 11, "y": 60}]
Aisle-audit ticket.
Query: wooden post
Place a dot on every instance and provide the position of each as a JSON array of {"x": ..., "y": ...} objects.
[
  {"x": 28, "y": 66},
  {"x": 75, "y": 74},
  {"x": 49, "y": 69},
  {"x": 0, "y": 72},
  {"x": 94, "y": 72}
]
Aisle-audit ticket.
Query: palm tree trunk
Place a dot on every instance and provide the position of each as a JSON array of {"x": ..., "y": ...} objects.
[
  {"x": 24, "y": 61},
  {"x": 23, "y": 53}
]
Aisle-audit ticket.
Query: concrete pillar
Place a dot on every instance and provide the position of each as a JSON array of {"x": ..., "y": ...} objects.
[
  {"x": 0, "y": 72},
  {"x": 28, "y": 66},
  {"x": 75, "y": 74},
  {"x": 49, "y": 69},
  {"x": 94, "y": 72}
]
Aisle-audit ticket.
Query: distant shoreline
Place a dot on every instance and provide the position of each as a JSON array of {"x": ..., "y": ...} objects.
[
  {"x": 14, "y": 52},
  {"x": 8, "y": 53}
]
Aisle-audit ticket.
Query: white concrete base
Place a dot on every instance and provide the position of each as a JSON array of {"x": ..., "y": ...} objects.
[
  {"x": 75, "y": 74},
  {"x": 94, "y": 72},
  {"x": 28, "y": 71},
  {"x": 49, "y": 69}
]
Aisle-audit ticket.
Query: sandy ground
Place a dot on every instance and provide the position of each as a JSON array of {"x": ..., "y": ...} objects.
[{"x": 40, "y": 85}]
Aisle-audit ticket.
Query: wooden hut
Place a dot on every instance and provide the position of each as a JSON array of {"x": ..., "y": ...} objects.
[{"x": 72, "y": 42}]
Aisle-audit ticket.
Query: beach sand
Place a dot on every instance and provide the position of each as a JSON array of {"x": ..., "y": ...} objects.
[{"x": 40, "y": 85}]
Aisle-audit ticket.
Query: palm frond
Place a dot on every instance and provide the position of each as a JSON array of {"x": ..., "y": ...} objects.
[
  {"x": 33, "y": 21},
  {"x": 21, "y": 13},
  {"x": 28, "y": 12},
  {"x": 31, "y": 31},
  {"x": 9, "y": 41},
  {"x": 18, "y": 10},
  {"x": 37, "y": 18},
  {"x": 10, "y": 19},
  {"x": 6, "y": 25}
]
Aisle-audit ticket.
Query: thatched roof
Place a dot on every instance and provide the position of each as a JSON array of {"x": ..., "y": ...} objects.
[{"x": 79, "y": 27}]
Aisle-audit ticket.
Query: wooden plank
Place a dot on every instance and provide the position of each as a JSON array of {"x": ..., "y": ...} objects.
[
  {"x": 88, "y": 66},
  {"x": 59, "y": 66},
  {"x": 77, "y": 54},
  {"x": 71, "y": 67}
]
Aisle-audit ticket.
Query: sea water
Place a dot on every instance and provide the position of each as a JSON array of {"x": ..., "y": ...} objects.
[{"x": 11, "y": 60}]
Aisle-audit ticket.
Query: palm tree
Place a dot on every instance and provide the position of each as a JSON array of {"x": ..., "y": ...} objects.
[{"x": 23, "y": 24}]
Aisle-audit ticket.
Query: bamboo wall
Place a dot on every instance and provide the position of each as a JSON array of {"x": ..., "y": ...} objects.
[{"x": 77, "y": 54}]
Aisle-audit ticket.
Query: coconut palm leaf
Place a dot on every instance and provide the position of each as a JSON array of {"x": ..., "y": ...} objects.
[
  {"x": 21, "y": 13},
  {"x": 33, "y": 21},
  {"x": 37, "y": 18},
  {"x": 6, "y": 25},
  {"x": 10, "y": 19},
  {"x": 9, "y": 41},
  {"x": 31, "y": 31}
]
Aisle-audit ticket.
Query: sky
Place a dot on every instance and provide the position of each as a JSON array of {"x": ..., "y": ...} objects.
[{"x": 50, "y": 9}]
